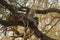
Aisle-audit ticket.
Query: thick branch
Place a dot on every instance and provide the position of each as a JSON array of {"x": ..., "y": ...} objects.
[
  {"x": 8, "y": 6},
  {"x": 41, "y": 35},
  {"x": 47, "y": 11},
  {"x": 10, "y": 23},
  {"x": 38, "y": 33}
]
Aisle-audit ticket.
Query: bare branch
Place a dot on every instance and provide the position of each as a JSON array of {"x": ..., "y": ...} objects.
[
  {"x": 10, "y": 23},
  {"x": 47, "y": 11},
  {"x": 41, "y": 35},
  {"x": 52, "y": 26}
]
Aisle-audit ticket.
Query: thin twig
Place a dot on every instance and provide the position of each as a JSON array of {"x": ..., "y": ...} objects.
[{"x": 52, "y": 26}]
